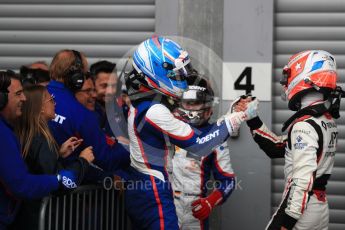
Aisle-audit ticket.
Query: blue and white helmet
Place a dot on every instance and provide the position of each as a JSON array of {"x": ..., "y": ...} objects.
[{"x": 164, "y": 64}]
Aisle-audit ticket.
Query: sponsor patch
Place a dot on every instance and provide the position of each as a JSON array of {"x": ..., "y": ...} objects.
[
  {"x": 207, "y": 137},
  {"x": 196, "y": 87},
  {"x": 299, "y": 143},
  {"x": 59, "y": 119},
  {"x": 301, "y": 131}
]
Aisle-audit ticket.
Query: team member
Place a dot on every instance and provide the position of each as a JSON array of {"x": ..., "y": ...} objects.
[
  {"x": 160, "y": 67},
  {"x": 73, "y": 119},
  {"x": 15, "y": 182},
  {"x": 87, "y": 94},
  {"x": 108, "y": 88},
  {"x": 191, "y": 173},
  {"x": 87, "y": 97},
  {"x": 40, "y": 150},
  {"x": 309, "y": 81}
]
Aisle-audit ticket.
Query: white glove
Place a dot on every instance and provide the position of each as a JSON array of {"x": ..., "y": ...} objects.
[
  {"x": 234, "y": 103},
  {"x": 235, "y": 132},
  {"x": 252, "y": 109},
  {"x": 233, "y": 120},
  {"x": 252, "y": 105}
]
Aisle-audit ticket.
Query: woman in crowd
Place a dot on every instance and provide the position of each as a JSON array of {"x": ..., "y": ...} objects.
[{"x": 40, "y": 150}]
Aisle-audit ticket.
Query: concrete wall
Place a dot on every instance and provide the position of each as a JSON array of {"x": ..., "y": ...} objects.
[
  {"x": 202, "y": 20},
  {"x": 248, "y": 35}
]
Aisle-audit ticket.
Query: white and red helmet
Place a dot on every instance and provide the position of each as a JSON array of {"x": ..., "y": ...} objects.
[{"x": 307, "y": 71}]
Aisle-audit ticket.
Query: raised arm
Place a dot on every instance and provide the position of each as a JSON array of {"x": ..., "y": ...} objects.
[{"x": 270, "y": 143}]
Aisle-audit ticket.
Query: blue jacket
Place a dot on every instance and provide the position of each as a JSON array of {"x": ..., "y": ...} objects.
[
  {"x": 73, "y": 119},
  {"x": 118, "y": 126},
  {"x": 15, "y": 181}
]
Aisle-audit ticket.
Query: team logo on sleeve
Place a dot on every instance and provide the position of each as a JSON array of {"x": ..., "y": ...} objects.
[
  {"x": 299, "y": 143},
  {"x": 207, "y": 137}
]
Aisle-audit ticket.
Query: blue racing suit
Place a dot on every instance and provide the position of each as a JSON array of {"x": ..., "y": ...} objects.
[
  {"x": 152, "y": 129},
  {"x": 15, "y": 181}
]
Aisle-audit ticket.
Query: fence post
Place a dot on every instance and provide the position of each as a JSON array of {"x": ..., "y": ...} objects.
[{"x": 93, "y": 207}]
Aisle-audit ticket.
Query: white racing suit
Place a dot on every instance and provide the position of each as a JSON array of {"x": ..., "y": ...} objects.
[
  {"x": 191, "y": 180},
  {"x": 309, "y": 150}
]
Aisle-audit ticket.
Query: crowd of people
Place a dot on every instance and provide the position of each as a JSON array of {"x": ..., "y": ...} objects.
[{"x": 65, "y": 124}]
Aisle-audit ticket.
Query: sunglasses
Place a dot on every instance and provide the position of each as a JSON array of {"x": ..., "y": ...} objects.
[{"x": 51, "y": 99}]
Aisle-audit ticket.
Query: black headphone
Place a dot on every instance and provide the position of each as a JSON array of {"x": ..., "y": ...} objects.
[
  {"x": 5, "y": 82},
  {"x": 75, "y": 77},
  {"x": 33, "y": 76}
]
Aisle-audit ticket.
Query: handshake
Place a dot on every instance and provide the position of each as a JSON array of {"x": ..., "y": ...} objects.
[{"x": 244, "y": 108}]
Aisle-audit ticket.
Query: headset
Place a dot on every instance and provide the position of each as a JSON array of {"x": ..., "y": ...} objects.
[
  {"x": 74, "y": 76},
  {"x": 5, "y": 82}
]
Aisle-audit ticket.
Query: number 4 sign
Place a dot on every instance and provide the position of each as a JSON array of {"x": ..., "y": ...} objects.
[{"x": 247, "y": 78}]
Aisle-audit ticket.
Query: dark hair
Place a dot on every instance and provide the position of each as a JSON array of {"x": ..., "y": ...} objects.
[
  {"x": 5, "y": 80},
  {"x": 87, "y": 75},
  {"x": 11, "y": 74},
  {"x": 102, "y": 66}
]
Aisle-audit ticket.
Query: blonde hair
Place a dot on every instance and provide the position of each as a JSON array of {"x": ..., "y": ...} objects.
[
  {"x": 62, "y": 61},
  {"x": 32, "y": 123}
]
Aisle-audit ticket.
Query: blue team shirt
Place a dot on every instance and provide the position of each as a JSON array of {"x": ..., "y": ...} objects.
[
  {"x": 73, "y": 119},
  {"x": 15, "y": 181}
]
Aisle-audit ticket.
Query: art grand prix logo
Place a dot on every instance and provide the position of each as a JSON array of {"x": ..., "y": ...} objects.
[{"x": 299, "y": 144}]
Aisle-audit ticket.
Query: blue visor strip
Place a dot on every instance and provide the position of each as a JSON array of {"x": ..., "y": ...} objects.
[{"x": 317, "y": 65}]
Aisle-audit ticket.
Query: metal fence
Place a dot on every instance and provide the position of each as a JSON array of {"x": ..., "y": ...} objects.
[{"x": 88, "y": 207}]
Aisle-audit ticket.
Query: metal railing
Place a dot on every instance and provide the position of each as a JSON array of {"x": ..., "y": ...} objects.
[{"x": 89, "y": 207}]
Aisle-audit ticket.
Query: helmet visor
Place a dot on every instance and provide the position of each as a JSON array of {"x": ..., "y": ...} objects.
[
  {"x": 285, "y": 76},
  {"x": 198, "y": 96},
  {"x": 180, "y": 74}
]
